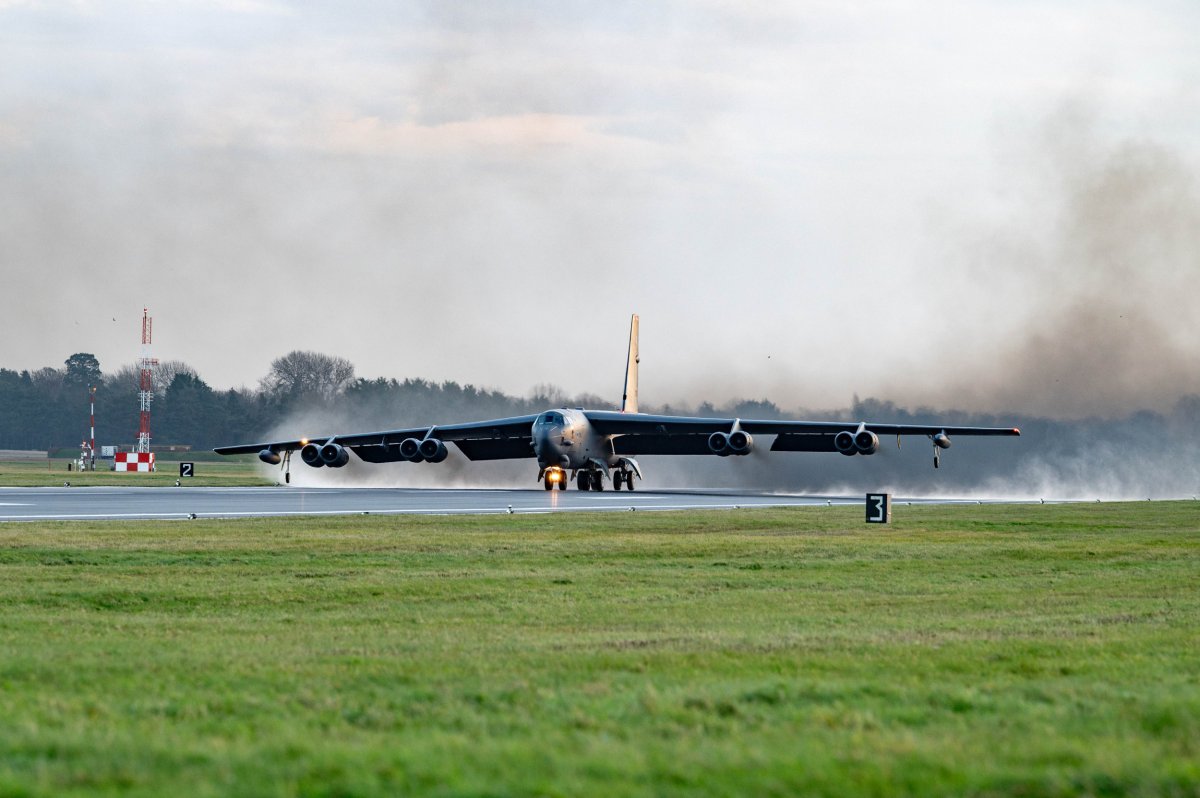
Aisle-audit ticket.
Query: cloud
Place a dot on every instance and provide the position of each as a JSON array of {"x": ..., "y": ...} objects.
[
  {"x": 519, "y": 137},
  {"x": 485, "y": 193}
]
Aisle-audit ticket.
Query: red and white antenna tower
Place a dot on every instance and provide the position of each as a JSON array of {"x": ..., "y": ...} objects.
[
  {"x": 147, "y": 364},
  {"x": 92, "y": 440}
]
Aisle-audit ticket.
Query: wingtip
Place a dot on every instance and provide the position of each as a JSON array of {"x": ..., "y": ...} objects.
[{"x": 1016, "y": 431}]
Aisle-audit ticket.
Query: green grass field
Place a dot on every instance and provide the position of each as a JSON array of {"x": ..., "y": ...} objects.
[
  {"x": 970, "y": 650},
  {"x": 227, "y": 472}
]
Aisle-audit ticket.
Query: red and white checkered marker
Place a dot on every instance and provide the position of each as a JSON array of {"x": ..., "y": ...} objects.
[{"x": 134, "y": 461}]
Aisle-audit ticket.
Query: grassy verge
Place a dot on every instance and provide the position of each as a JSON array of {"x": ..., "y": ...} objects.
[
  {"x": 230, "y": 472},
  {"x": 1045, "y": 650}
]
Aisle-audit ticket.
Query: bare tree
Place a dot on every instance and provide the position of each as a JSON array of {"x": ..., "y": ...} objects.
[
  {"x": 125, "y": 379},
  {"x": 546, "y": 394},
  {"x": 48, "y": 382},
  {"x": 165, "y": 372},
  {"x": 128, "y": 378},
  {"x": 308, "y": 374}
]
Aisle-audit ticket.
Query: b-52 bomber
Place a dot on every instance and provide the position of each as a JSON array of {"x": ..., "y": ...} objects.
[{"x": 590, "y": 446}]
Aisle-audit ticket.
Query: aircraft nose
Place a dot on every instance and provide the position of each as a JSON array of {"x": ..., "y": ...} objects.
[{"x": 543, "y": 440}]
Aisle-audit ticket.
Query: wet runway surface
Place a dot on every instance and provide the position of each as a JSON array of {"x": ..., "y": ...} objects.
[{"x": 30, "y": 504}]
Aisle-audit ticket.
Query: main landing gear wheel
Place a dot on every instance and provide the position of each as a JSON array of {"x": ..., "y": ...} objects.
[
  {"x": 591, "y": 480},
  {"x": 629, "y": 480},
  {"x": 548, "y": 483}
]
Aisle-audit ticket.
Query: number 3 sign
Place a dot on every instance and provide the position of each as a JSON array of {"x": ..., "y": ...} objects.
[{"x": 879, "y": 508}]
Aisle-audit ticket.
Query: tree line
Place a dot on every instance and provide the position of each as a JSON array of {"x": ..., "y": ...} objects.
[{"x": 48, "y": 408}]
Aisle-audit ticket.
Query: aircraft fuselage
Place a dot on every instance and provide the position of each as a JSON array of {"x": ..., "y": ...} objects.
[
  {"x": 565, "y": 438},
  {"x": 565, "y": 441}
]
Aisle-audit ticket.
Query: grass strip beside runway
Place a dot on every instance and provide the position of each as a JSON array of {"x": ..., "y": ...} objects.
[
  {"x": 989, "y": 650},
  {"x": 226, "y": 473}
]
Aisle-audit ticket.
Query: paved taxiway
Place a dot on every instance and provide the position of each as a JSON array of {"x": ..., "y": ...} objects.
[{"x": 77, "y": 503}]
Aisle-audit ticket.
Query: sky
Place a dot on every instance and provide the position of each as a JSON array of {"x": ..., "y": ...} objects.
[{"x": 982, "y": 205}]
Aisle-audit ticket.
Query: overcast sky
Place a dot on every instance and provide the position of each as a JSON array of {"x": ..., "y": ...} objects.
[{"x": 989, "y": 205}]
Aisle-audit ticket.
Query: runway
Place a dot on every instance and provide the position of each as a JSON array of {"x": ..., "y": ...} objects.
[{"x": 121, "y": 503}]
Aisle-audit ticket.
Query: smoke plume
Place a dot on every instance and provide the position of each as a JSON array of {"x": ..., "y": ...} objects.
[{"x": 1091, "y": 273}]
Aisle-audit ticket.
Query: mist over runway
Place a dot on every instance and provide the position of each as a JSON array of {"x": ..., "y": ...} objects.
[{"x": 132, "y": 504}]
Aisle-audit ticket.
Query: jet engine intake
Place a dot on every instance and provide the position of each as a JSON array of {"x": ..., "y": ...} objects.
[
  {"x": 334, "y": 455},
  {"x": 410, "y": 449},
  {"x": 311, "y": 455},
  {"x": 866, "y": 442},
  {"x": 433, "y": 450},
  {"x": 844, "y": 443},
  {"x": 718, "y": 444},
  {"x": 740, "y": 442},
  {"x": 270, "y": 457}
]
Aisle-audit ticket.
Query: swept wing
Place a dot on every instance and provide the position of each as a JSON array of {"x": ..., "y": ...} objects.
[
  {"x": 658, "y": 434},
  {"x": 495, "y": 439}
]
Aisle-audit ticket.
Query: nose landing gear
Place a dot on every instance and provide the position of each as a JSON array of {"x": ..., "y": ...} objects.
[{"x": 554, "y": 478}]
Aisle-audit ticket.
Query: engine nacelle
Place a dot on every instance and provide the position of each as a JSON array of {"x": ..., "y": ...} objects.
[
  {"x": 410, "y": 449},
  {"x": 740, "y": 442},
  {"x": 433, "y": 450},
  {"x": 334, "y": 455},
  {"x": 844, "y": 443},
  {"x": 866, "y": 442},
  {"x": 311, "y": 455},
  {"x": 270, "y": 457},
  {"x": 718, "y": 444},
  {"x": 941, "y": 440}
]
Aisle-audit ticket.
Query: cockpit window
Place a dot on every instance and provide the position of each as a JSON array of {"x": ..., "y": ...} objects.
[{"x": 551, "y": 419}]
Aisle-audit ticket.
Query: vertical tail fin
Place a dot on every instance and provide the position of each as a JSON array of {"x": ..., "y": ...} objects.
[{"x": 629, "y": 400}]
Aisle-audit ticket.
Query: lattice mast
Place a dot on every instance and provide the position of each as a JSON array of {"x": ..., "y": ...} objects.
[{"x": 146, "y": 392}]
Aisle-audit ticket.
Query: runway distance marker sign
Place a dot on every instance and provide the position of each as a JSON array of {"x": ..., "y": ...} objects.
[{"x": 879, "y": 508}]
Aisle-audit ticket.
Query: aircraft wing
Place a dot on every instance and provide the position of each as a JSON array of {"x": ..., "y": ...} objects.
[
  {"x": 495, "y": 439},
  {"x": 611, "y": 422},
  {"x": 644, "y": 433}
]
